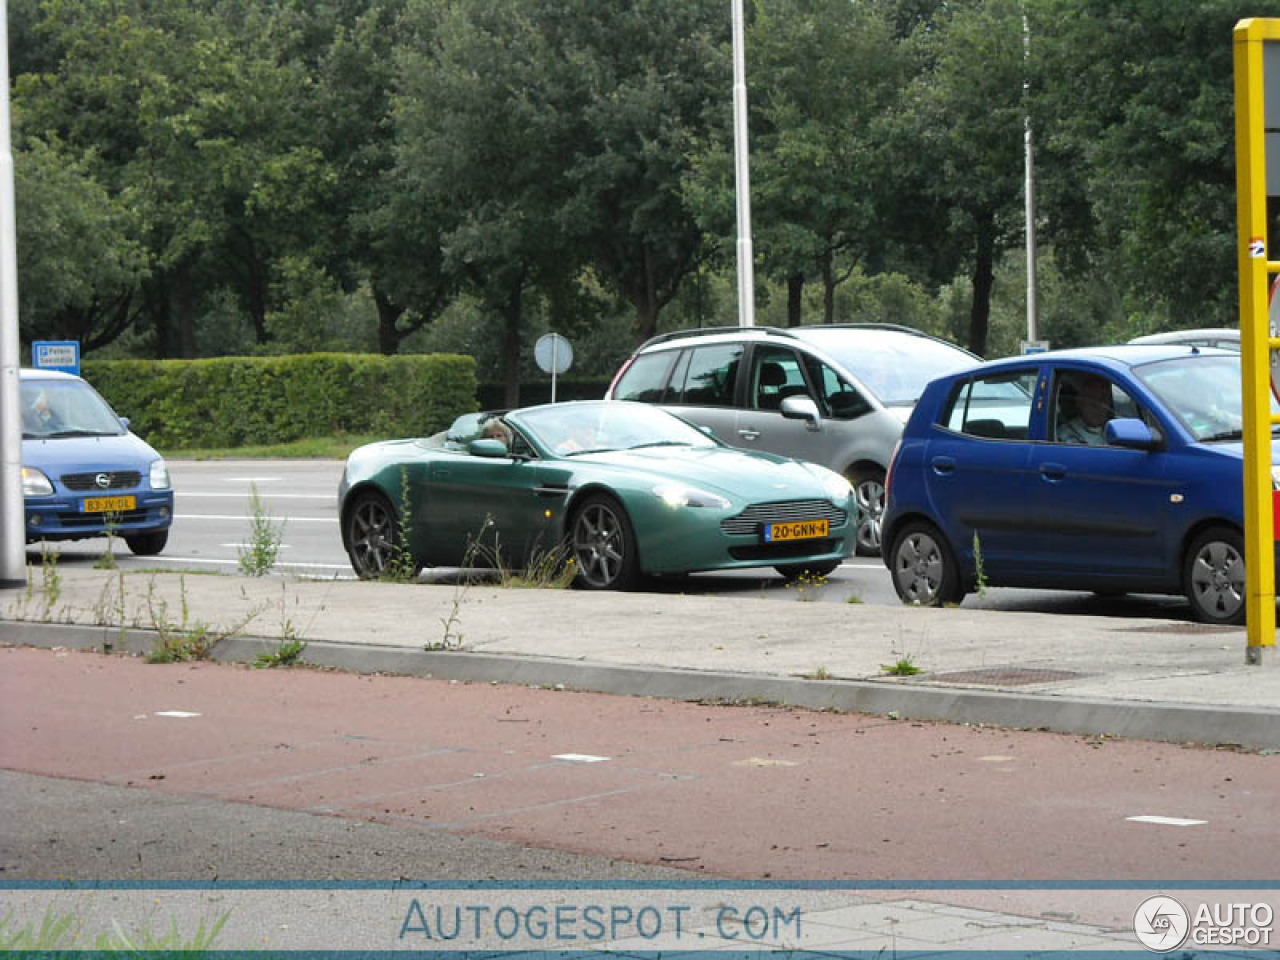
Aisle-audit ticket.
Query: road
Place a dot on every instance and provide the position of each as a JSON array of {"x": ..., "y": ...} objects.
[
  {"x": 740, "y": 792},
  {"x": 212, "y": 527}
]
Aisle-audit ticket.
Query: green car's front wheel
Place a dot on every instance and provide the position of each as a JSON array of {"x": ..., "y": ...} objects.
[
  {"x": 372, "y": 536},
  {"x": 603, "y": 546}
]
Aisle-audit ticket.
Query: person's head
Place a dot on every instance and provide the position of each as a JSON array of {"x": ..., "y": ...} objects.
[
  {"x": 1093, "y": 400},
  {"x": 495, "y": 429}
]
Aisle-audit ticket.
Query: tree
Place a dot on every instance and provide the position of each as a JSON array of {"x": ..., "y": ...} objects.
[{"x": 484, "y": 125}]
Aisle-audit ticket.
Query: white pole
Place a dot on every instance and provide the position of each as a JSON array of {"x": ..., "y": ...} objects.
[
  {"x": 742, "y": 175},
  {"x": 13, "y": 570},
  {"x": 555, "y": 362},
  {"x": 1030, "y": 188}
]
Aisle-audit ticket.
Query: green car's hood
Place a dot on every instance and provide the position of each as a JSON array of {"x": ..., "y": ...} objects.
[{"x": 756, "y": 476}]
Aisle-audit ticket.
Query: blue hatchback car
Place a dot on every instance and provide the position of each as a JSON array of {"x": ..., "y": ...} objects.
[
  {"x": 83, "y": 473},
  {"x": 1115, "y": 469}
]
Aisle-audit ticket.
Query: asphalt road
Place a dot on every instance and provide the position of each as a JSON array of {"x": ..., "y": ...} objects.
[
  {"x": 212, "y": 528},
  {"x": 745, "y": 792}
]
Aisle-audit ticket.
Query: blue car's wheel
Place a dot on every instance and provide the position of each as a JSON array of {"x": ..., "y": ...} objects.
[
  {"x": 602, "y": 545},
  {"x": 147, "y": 544},
  {"x": 924, "y": 571},
  {"x": 1213, "y": 576}
]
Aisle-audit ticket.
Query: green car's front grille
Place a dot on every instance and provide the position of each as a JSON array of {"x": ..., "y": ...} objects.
[{"x": 752, "y": 520}]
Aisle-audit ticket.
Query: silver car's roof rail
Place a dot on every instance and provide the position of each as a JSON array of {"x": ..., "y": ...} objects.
[{"x": 777, "y": 331}]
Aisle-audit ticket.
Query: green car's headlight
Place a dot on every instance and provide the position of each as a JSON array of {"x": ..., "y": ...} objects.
[
  {"x": 834, "y": 485},
  {"x": 679, "y": 495},
  {"x": 35, "y": 483}
]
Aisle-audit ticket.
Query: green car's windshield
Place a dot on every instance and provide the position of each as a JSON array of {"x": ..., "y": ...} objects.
[
  {"x": 65, "y": 408},
  {"x": 1203, "y": 392},
  {"x": 574, "y": 429}
]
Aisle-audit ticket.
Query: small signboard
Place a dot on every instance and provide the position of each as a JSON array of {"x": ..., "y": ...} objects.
[
  {"x": 1034, "y": 346},
  {"x": 61, "y": 355}
]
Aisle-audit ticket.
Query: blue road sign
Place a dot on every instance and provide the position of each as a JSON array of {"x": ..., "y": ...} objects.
[{"x": 61, "y": 355}]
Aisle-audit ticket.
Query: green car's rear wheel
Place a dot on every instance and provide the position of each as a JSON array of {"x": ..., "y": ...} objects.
[{"x": 603, "y": 546}]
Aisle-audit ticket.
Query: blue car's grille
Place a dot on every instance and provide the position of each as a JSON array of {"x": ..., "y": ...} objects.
[
  {"x": 750, "y": 521},
  {"x": 118, "y": 480}
]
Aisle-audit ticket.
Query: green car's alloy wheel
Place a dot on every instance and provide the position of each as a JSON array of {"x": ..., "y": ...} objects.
[
  {"x": 924, "y": 572},
  {"x": 603, "y": 546},
  {"x": 147, "y": 544},
  {"x": 1213, "y": 576},
  {"x": 371, "y": 535}
]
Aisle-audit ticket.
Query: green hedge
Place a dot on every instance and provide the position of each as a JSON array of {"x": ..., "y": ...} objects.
[{"x": 235, "y": 401}]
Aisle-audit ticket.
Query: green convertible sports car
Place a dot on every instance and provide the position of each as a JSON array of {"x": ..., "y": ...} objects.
[{"x": 619, "y": 489}]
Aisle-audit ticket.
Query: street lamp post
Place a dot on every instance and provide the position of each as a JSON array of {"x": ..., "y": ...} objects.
[{"x": 742, "y": 175}]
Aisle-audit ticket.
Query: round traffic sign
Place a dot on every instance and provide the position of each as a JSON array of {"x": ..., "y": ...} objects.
[{"x": 553, "y": 353}]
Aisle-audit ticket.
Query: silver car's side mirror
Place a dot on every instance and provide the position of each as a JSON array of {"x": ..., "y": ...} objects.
[{"x": 801, "y": 408}]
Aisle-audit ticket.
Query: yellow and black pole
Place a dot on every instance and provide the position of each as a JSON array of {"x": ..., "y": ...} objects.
[{"x": 1256, "y": 46}]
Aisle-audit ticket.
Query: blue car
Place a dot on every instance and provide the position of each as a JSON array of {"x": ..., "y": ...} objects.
[
  {"x": 1115, "y": 470},
  {"x": 83, "y": 473}
]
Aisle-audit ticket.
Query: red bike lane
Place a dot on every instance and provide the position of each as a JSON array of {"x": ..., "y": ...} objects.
[{"x": 743, "y": 792}]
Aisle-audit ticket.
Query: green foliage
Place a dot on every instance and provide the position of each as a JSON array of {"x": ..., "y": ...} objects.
[
  {"x": 902, "y": 667},
  {"x": 258, "y": 555},
  {"x": 285, "y": 655},
  {"x": 230, "y": 401}
]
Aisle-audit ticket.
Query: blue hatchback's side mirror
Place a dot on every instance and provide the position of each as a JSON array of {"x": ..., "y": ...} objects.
[{"x": 1131, "y": 433}]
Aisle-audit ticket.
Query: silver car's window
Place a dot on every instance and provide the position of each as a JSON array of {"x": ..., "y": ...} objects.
[
  {"x": 646, "y": 377},
  {"x": 836, "y": 397},
  {"x": 995, "y": 408},
  {"x": 775, "y": 375},
  {"x": 893, "y": 365},
  {"x": 712, "y": 372}
]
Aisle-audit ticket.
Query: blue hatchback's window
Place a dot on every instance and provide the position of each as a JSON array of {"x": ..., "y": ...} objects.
[
  {"x": 995, "y": 408},
  {"x": 65, "y": 408}
]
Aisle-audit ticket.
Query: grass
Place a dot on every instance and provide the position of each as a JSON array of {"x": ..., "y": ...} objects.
[
  {"x": 336, "y": 447},
  {"x": 904, "y": 667}
]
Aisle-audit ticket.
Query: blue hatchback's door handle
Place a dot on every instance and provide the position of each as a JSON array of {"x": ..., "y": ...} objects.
[
  {"x": 943, "y": 465},
  {"x": 1053, "y": 472}
]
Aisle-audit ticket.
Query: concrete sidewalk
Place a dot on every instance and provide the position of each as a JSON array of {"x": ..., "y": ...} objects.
[{"x": 1151, "y": 679}]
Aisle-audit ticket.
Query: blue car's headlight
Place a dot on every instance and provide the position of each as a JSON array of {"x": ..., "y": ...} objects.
[
  {"x": 1275, "y": 478},
  {"x": 678, "y": 495},
  {"x": 159, "y": 476},
  {"x": 35, "y": 483}
]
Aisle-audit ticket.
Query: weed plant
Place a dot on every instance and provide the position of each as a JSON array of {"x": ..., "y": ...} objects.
[{"x": 258, "y": 556}]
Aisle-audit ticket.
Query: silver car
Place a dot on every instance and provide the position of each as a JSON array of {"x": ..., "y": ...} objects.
[{"x": 834, "y": 394}]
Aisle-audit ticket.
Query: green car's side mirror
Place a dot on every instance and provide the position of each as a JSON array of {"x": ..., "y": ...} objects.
[{"x": 488, "y": 447}]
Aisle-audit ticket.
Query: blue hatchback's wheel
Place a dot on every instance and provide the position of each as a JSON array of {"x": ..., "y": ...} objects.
[
  {"x": 1213, "y": 576},
  {"x": 924, "y": 572}
]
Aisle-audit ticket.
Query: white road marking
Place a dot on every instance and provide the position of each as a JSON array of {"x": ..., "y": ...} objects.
[
  {"x": 1167, "y": 821},
  {"x": 227, "y": 516},
  {"x": 266, "y": 496},
  {"x": 208, "y": 561},
  {"x": 249, "y": 546},
  {"x": 579, "y": 758},
  {"x": 180, "y": 714}
]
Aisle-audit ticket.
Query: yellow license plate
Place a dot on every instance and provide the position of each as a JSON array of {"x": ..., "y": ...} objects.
[
  {"x": 798, "y": 530},
  {"x": 107, "y": 504}
]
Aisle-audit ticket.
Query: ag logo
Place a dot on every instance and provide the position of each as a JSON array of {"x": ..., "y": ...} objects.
[{"x": 1161, "y": 923}]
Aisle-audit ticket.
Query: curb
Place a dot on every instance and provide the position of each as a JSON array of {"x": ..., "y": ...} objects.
[{"x": 1255, "y": 728}]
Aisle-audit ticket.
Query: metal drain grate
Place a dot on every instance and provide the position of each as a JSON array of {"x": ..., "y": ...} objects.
[{"x": 1005, "y": 676}]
